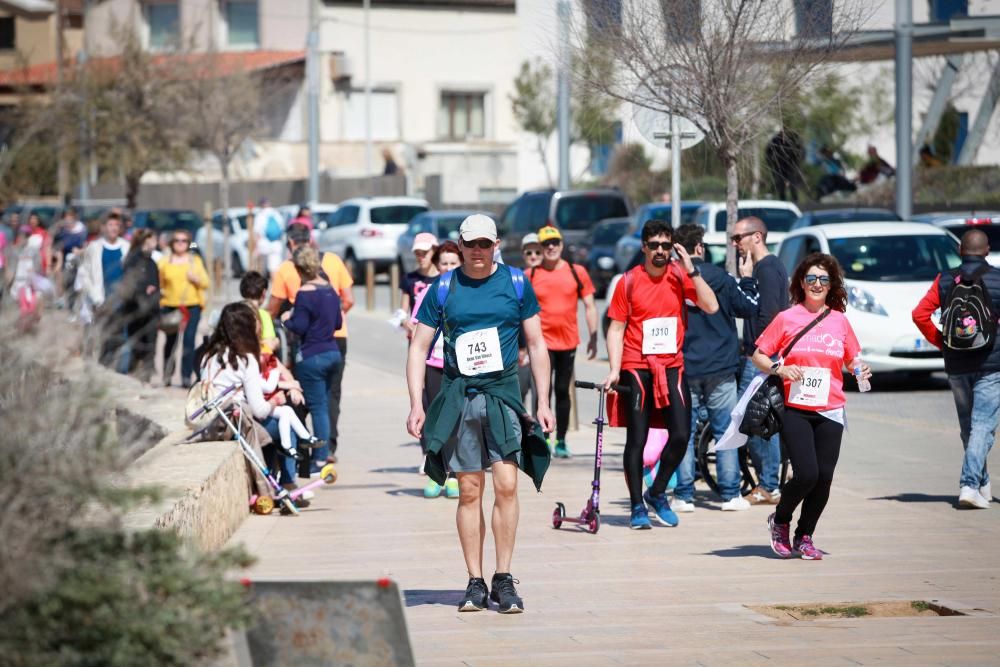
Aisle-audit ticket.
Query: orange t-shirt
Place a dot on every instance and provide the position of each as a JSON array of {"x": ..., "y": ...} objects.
[
  {"x": 287, "y": 282},
  {"x": 557, "y": 295},
  {"x": 658, "y": 302}
]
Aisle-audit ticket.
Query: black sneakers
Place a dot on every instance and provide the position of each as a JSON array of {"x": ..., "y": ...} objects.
[
  {"x": 504, "y": 593},
  {"x": 475, "y": 598}
]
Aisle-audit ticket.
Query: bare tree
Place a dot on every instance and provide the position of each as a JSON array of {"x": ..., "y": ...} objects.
[
  {"x": 727, "y": 65},
  {"x": 224, "y": 111},
  {"x": 534, "y": 107}
]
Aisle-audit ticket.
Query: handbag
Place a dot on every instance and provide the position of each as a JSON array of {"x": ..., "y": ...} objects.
[
  {"x": 171, "y": 322},
  {"x": 764, "y": 415}
]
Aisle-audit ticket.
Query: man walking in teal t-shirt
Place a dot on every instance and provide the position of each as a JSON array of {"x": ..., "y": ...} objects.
[{"x": 480, "y": 309}]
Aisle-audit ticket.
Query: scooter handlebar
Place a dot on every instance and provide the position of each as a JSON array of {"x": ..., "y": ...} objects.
[{"x": 620, "y": 388}]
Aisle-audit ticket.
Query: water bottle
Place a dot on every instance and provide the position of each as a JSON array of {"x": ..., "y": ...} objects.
[{"x": 863, "y": 385}]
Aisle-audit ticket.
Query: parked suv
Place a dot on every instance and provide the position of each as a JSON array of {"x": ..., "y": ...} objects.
[
  {"x": 574, "y": 212},
  {"x": 367, "y": 228}
]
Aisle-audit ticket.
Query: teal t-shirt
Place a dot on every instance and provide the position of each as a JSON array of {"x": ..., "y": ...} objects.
[{"x": 475, "y": 305}]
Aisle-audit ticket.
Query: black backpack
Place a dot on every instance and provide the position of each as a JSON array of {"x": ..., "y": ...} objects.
[{"x": 968, "y": 319}]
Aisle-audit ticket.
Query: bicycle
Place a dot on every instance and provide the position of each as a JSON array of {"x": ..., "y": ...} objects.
[{"x": 704, "y": 437}]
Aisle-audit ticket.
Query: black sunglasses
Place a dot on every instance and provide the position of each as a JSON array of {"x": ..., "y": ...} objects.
[
  {"x": 735, "y": 238},
  {"x": 552, "y": 243},
  {"x": 532, "y": 252},
  {"x": 660, "y": 245},
  {"x": 812, "y": 278},
  {"x": 482, "y": 244}
]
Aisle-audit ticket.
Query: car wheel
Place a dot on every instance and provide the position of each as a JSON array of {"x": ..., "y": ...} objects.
[{"x": 354, "y": 267}]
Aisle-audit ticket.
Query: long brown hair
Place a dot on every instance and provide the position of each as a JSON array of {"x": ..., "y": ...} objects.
[
  {"x": 235, "y": 336},
  {"x": 836, "y": 298}
]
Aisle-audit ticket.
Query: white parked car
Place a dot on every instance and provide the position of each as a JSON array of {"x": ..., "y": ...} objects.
[
  {"x": 779, "y": 216},
  {"x": 888, "y": 267},
  {"x": 367, "y": 228}
]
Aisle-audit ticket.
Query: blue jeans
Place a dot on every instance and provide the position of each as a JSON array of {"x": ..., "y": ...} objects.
[
  {"x": 187, "y": 346},
  {"x": 977, "y": 399},
  {"x": 714, "y": 398},
  {"x": 765, "y": 454},
  {"x": 316, "y": 374},
  {"x": 284, "y": 465}
]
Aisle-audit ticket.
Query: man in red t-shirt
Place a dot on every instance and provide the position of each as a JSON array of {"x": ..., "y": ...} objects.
[
  {"x": 559, "y": 285},
  {"x": 645, "y": 343}
]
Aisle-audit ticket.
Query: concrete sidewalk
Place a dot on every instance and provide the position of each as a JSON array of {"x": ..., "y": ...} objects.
[{"x": 891, "y": 532}]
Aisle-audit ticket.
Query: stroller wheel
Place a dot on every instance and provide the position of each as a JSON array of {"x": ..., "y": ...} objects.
[
  {"x": 328, "y": 473},
  {"x": 558, "y": 514},
  {"x": 595, "y": 523}
]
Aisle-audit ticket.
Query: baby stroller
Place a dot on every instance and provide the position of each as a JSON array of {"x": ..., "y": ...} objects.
[{"x": 211, "y": 414}]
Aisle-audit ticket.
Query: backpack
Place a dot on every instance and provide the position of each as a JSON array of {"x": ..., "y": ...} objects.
[
  {"x": 968, "y": 319},
  {"x": 273, "y": 229},
  {"x": 572, "y": 270},
  {"x": 445, "y": 287}
]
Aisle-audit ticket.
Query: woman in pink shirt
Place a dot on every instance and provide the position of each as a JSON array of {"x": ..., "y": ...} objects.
[{"x": 814, "y": 421}]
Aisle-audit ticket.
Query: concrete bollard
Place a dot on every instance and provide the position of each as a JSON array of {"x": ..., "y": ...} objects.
[
  {"x": 370, "y": 285},
  {"x": 394, "y": 295}
]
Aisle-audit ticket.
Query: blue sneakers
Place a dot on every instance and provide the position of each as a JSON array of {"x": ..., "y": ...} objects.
[
  {"x": 640, "y": 518},
  {"x": 661, "y": 509}
]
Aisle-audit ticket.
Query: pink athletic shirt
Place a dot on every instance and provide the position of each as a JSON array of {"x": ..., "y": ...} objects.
[{"x": 822, "y": 353}]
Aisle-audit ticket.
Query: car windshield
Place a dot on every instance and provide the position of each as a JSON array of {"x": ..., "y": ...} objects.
[
  {"x": 776, "y": 219},
  {"x": 448, "y": 226},
  {"x": 992, "y": 232},
  {"x": 395, "y": 215},
  {"x": 580, "y": 212},
  {"x": 903, "y": 258},
  {"x": 610, "y": 233}
]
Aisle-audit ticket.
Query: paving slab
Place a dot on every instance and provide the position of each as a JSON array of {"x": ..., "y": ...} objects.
[{"x": 891, "y": 532}]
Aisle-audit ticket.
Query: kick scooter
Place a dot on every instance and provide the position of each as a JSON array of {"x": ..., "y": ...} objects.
[
  {"x": 265, "y": 504},
  {"x": 590, "y": 517}
]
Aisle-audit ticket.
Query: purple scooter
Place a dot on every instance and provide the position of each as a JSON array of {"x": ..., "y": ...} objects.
[{"x": 590, "y": 517}]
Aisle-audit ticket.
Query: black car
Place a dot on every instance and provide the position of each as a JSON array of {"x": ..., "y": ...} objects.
[
  {"x": 843, "y": 215},
  {"x": 601, "y": 254},
  {"x": 574, "y": 212}
]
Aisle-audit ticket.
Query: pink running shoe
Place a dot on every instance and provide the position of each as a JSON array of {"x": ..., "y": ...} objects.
[
  {"x": 804, "y": 547},
  {"x": 780, "y": 543}
]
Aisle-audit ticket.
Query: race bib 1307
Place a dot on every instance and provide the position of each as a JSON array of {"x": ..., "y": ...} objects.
[{"x": 813, "y": 390}]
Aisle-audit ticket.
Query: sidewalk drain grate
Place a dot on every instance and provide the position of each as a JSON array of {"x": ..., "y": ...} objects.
[{"x": 826, "y": 610}]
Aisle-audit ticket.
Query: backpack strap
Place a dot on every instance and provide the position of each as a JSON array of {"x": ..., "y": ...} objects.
[
  {"x": 517, "y": 277},
  {"x": 572, "y": 270}
]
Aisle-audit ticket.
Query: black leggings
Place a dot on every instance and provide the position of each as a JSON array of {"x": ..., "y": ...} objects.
[
  {"x": 813, "y": 445},
  {"x": 432, "y": 386},
  {"x": 562, "y": 370},
  {"x": 676, "y": 416}
]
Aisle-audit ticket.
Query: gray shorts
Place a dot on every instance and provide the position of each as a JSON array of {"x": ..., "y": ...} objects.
[{"x": 474, "y": 449}]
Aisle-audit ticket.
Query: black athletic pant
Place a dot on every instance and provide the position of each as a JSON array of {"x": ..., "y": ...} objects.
[
  {"x": 433, "y": 377},
  {"x": 676, "y": 416},
  {"x": 335, "y": 393},
  {"x": 813, "y": 445},
  {"x": 562, "y": 372}
]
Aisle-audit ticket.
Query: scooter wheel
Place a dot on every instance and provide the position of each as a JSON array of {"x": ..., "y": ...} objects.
[
  {"x": 328, "y": 474},
  {"x": 558, "y": 514},
  {"x": 263, "y": 505},
  {"x": 595, "y": 523}
]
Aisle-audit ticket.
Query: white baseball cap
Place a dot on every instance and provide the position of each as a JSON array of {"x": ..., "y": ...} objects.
[
  {"x": 530, "y": 239},
  {"x": 478, "y": 226}
]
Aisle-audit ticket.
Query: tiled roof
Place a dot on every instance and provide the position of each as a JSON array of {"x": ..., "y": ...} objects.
[{"x": 223, "y": 63}]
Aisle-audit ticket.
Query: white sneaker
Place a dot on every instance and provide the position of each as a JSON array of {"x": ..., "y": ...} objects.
[
  {"x": 679, "y": 505},
  {"x": 737, "y": 504},
  {"x": 970, "y": 498},
  {"x": 986, "y": 492}
]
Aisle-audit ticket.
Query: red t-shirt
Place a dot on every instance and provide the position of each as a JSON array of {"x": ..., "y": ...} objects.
[
  {"x": 657, "y": 309},
  {"x": 824, "y": 351},
  {"x": 557, "y": 295}
]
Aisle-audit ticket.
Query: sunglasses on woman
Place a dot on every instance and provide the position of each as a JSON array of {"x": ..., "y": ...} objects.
[
  {"x": 812, "y": 278},
  {"x": 182, "y": 240},
  {"x": 482, "y": 244},
  {"x": 532, "y": 253}
]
